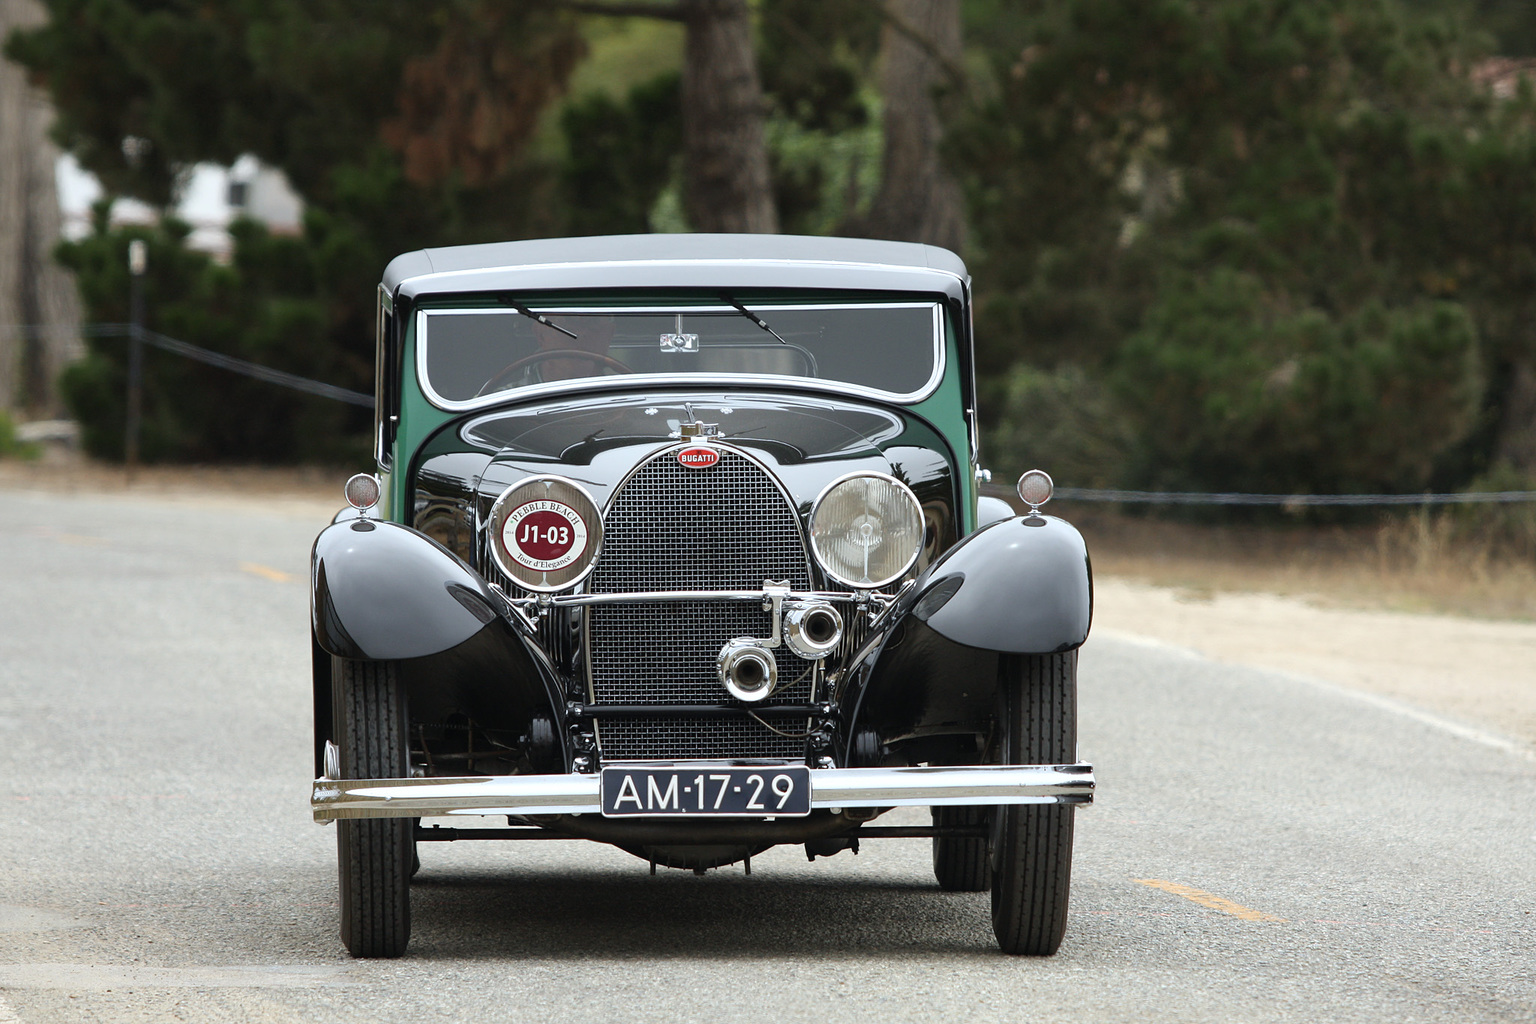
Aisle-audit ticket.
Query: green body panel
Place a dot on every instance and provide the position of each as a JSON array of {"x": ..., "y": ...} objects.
[{"x": 945, "y": 410}]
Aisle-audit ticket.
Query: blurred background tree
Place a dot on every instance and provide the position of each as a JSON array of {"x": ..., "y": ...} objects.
[
  {"x": 400, "y": 125},
  {"x": 34, "y": 289},
  {"x": 1263, "y": 244},
  {"x": 1287, "y": 238}
]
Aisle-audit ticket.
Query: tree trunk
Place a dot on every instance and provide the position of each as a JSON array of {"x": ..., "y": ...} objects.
[
  {"x": 919, "y": 201},
  {"x": 1517, "y": 437},
  {"x": 725, "y": 182},
  {"x": 35, "y": 292}
]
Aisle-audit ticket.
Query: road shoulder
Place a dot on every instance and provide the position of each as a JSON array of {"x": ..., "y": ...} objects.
[{"x": 1477, "y": 672}]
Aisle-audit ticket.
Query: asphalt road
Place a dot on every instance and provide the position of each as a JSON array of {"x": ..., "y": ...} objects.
[{"x": 1263, "y": 848}]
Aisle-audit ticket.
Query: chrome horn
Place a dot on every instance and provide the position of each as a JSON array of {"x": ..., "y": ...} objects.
[
  {"x": 748, "y": 671},
  {"x": 812, "y": 629}
]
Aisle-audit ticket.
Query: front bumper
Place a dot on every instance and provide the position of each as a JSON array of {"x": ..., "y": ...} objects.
[{"x": 831, "y": 788}]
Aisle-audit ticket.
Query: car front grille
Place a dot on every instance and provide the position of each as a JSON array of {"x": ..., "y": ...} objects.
[{"x": 671, "y": 527}]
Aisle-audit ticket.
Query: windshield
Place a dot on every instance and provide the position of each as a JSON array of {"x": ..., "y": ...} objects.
[{"x": 472, "y": 356}]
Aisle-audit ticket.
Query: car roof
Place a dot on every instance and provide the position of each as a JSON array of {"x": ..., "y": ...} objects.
[{"x": 679, "y": 261}]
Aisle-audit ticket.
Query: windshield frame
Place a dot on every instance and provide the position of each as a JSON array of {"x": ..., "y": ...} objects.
[{"x": 422, "y": 339}]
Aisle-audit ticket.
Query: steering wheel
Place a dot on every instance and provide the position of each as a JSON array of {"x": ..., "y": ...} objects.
[{"x": 502, "y": 375}]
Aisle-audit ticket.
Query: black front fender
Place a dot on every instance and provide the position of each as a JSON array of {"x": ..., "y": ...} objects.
[
  {"x": 1019, "y": 586},
  {"x": 383, "y": 592}
]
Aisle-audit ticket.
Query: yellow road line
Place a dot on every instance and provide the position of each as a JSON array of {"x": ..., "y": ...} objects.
[
  {"x": 275, "y": 575},
  {"x": 1206, "y": 899}
]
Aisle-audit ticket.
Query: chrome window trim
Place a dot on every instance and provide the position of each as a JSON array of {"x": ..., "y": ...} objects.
[
  {"x": 701, "y": 397},
  {"x": 580, "y": 384}
]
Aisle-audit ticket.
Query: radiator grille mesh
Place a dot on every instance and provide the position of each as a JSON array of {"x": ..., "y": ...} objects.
[{"x": 675, "y": 528}]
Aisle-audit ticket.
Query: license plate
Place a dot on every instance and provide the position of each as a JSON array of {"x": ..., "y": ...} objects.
[{"x": 707, "y": 792}]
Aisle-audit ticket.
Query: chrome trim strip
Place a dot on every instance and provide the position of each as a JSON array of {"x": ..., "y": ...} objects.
[
  {"x": 424, "y": 383},
  {"x": 563, "y": 600},
  {"x": 583, "y": 401},
  {"x": 831, "y": 788},
  {"x": 409, "y": 798},
  {"x": 952, "y": 786}
]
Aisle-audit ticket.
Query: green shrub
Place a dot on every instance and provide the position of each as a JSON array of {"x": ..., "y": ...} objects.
[
  {"x": 1062, "y": 421},
  {"x": 1294, "y": 234},
  {"x": 1232, "y": 388},
  {"x": 266, "y": 306},
  {"x": 10, "y": 448}
]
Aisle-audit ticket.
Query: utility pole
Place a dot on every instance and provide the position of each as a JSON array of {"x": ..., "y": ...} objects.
[{"x": 138, "y": 262}]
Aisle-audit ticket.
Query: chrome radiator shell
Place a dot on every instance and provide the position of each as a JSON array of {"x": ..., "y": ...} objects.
[{"x": 729, "y": 526}]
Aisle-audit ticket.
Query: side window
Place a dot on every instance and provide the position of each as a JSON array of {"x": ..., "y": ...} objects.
[{"x": 385, "y": 375}]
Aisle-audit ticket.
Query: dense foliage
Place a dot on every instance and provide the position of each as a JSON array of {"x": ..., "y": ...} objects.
[
  {"x": 1288, "y": 237},
  {"x": 376, "y": 114},
  {"x": 402, "y": 126},
  {"x": 1219, "y": 244},
  {"x": 267, "y": 306}
]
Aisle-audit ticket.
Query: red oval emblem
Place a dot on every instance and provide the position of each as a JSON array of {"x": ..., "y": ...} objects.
[{"x": 698, "y": 458}]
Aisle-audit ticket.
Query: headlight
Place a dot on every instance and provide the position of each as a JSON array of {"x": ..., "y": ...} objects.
[
  {"x": 545, "y": 533},
  {"x": 866, "y": 529}
]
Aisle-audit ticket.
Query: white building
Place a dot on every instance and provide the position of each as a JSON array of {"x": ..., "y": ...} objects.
[{"x": 209, "y": 198}]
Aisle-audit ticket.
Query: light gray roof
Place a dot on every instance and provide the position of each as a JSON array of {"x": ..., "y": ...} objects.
[{"x": 689, "y": 260}]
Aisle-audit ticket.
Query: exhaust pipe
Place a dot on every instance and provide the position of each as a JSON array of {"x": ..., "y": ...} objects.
[
  {"x": 748, "y": 671},
  {"x": 812, "y": 629}
]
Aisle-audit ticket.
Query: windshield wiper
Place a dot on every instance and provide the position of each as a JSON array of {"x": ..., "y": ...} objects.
[
  {"x": 539, "y": 317},
  {"x": 744, "y": 311}
]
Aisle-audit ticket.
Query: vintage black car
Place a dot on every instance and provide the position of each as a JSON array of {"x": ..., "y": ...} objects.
[{"x": 676, "y": 544}]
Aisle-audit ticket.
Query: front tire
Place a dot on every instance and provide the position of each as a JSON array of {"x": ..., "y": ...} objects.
[
  {"x": 1032, "y": 843},
  {"x": 374, "y": 855},
  {"x": 961, "y": 865}
]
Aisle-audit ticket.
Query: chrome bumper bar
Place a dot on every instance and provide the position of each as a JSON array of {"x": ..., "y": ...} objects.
[{"x": 831, "y": 789}]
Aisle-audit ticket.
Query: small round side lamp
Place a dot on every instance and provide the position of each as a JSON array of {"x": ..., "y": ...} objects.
[
  {"x": 1035, "y": 489},
  {"x": 363, "y": 491}
]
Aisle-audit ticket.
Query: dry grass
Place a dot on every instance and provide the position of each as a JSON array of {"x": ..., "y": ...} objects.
[
  {"x": 67, "y": 473},
  {"x": 1410, "y": 562}
]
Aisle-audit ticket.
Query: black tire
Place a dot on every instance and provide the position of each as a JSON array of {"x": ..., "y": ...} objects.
[
  {"x": 961, "y": 865},
  {"x": 374, "y": 855},
  {"x": 1032, "y": 844}
]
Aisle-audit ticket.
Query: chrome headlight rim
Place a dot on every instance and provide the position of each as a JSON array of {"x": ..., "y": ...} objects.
[
  {"x": 577, "y": 500},
  {"x": 825, "y": 563}
]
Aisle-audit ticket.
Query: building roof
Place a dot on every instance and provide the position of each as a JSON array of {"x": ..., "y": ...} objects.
[{"x": 683, "y": 261}]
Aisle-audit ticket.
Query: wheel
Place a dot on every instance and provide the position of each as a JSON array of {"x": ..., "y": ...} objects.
[
  {"x": 374, "y": 855},
  {"x": 511, "y": 369},
  {"x": 961, "y": 865},
  {"x": 1032, "y": 843}
]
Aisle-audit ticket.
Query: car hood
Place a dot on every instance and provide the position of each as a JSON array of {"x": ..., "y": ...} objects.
[
  {"x": 575, "y": 432},
  {"x": 807, "y": 441}
]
